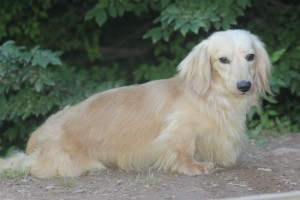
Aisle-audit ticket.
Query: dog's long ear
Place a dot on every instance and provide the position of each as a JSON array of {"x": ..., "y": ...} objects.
[
  {"x": 263, "y": 67},
  {"x": 195, "y": 69}
]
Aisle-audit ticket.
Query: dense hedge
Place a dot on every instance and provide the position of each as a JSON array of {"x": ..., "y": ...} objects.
[{"x": 109, "y": 43}]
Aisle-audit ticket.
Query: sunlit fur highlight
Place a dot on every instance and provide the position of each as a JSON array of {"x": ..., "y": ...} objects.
[{"x": 186, "y": 124}]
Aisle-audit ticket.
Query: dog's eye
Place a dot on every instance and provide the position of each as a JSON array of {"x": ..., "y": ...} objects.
[
  {"x": 224, "y": 60},
  {"x": 250, "y": 57}
]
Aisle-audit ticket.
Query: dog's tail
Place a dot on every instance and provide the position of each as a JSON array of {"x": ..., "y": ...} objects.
[{"x": 16, "y": 161}]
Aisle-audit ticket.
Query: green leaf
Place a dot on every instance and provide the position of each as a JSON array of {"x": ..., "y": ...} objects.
[
  {"x": 179, "y": 23},
  {"x": 155, "y": 34},
  {"x": 265, "y": 120},
  {"x": 270, "y": 99},
  {"x": 91, "y": 14},
  {"x": 214, "y": 18},
  {"x": 277, "y": 55},
  {"x": 112, "y": 11},
  {"x": 101, "y": 17},
  {"x": 39, "y": 85},
  {"x": 185, "y": 29},
  {"x": 195, "y": 26},
  {"x": 98, "y": 13},
  {"x": 166, "y": 35},
  {"x": 272, "y": 112},
  {"x": 207, "y": 26}
]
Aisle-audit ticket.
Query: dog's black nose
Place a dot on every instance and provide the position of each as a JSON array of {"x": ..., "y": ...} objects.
[{"x": 244, "y": 86}]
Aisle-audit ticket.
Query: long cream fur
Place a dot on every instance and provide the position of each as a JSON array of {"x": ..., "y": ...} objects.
[{"x": 186, "y": 124}]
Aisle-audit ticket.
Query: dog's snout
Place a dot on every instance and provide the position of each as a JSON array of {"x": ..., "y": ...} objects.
[{"x": 244, "y": 86}]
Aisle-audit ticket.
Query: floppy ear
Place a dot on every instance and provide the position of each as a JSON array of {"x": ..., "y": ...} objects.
[
  {"x": 263, "y": 67},
  {"x": 195, "y": 69}
]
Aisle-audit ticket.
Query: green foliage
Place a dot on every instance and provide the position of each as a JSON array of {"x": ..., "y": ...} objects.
[
  {"x": 24, "y": 77},
  {"x": 270, "y": 120},
  {"x": 35, "y": 84},
  {"x": 115, "y": 8},
  {"x": 279, "y": 27},
  {"x": 110, "y": 43},
  {"x": 182, "y": 16},
  {"x": 194, "y": 15}
]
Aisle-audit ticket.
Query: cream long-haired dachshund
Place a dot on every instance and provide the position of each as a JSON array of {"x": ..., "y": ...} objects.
[{"x": 186, "y": 124}]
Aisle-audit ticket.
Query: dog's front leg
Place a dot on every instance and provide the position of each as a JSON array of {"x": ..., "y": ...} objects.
[
  {"x": 188, "y": 166},
  {"x": 174, "y": 150},
  {"x": 185, "y": 162}
]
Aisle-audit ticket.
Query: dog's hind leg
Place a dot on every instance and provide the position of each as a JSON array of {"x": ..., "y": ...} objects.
[{"x": 47, "y": 162}]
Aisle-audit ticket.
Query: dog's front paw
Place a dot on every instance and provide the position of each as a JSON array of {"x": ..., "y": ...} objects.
[
  {"x": 194, "y": 169},
  {"x": 208, "y": 167}
]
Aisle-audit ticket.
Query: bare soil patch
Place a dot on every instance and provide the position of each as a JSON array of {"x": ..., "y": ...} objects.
[{"x": 272, "y": 168}]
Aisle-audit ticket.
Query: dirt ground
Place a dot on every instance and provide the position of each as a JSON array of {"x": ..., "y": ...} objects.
[{"x": 272, "y": 168}]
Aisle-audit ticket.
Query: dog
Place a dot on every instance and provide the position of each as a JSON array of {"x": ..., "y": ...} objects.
[{"x": 187, "y": 124}]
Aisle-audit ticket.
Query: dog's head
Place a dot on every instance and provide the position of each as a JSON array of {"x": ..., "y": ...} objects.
[{"x": 234, "y": 60}]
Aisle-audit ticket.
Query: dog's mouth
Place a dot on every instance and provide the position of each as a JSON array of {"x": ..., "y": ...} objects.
[{"x": 240, "y": 93}]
